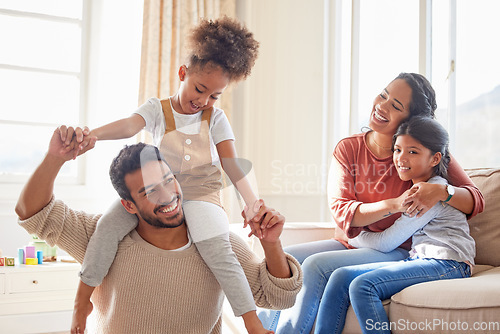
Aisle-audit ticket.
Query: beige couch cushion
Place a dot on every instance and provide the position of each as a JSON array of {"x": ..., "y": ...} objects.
[
  {"x": 485, "y": 227},
  {"x": 458, "y": 301}
]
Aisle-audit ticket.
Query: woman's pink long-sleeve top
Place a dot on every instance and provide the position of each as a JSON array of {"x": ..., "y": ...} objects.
[{"x": 357, "y": 176}]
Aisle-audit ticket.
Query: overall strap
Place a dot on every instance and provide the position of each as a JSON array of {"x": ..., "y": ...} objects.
[{"x": 168, "y": 114}]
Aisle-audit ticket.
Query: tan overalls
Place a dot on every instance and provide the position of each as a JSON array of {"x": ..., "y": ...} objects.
[{"x": 190, "y": 159}]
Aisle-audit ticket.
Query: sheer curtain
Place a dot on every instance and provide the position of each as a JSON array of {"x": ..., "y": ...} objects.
[{"x": 166, "y": 23}]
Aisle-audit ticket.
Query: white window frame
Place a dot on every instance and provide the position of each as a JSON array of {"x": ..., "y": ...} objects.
[
  {"x": 349, "y": 10},
  {"x": 13, "y": 181}
]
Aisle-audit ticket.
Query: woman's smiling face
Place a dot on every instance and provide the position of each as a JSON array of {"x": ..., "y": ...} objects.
[{"x": 391, "y": 107}]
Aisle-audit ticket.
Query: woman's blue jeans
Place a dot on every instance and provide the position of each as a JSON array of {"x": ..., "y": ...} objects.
[
  {"x": 366, "y": 286},
  {"x": 319, "y": 259}
]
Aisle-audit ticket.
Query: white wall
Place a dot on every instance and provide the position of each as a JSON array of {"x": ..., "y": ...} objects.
[
  {"x": 113, "y": 85},
  {"x": 278, "y": 112}
]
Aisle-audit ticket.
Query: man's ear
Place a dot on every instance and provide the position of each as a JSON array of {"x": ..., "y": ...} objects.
[
  {"x": 129, "y": 206},
  {"x": 182, "y": 72},
  {"x": 436, "y": 159}
]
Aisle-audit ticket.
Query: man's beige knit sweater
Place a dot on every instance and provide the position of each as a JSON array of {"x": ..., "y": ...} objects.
[{"x": 150, "y": 290}]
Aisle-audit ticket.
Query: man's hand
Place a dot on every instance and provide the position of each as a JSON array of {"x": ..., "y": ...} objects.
[
  {"x": 269, "y": 221},
  {"x": 67, "y": 143},
  {"x": 37, "y": 193}
]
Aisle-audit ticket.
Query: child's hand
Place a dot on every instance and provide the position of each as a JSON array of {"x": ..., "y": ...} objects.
[
  {"x": 249, "y": 215},
  {"x": 80, "y": 313},
  {"x": 58, "y": 149},
  {"x": 251, "y": 212},
  {"x": 75, "y": 139},
  {"x": 69, "y": 134},
  {"x": 271, "y": 223}
]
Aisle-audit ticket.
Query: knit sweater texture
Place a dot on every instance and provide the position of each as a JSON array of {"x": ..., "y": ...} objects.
[{"x": 151, "y": 290}]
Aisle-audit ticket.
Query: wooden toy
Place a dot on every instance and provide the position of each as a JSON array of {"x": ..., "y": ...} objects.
[
  {"x": 31, "y": 261},
  {"x": 2, "y": 261},
  {"x": 10, "y": 262}
]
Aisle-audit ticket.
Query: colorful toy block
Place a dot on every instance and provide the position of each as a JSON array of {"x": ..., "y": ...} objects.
[
  {"x": 31, "y": 261},
  {"x": 10, "y": 261},
  {"x": 20, "y": 256},
  {"x": 39, "y": 256},
  {"x": 29, "y": 251},
  {"x": 2, "y": 261}
]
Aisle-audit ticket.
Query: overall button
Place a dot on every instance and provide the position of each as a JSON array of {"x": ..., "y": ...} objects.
[
  {"x": 187, "y": 157},
  {"x": 188, "y": 141}
]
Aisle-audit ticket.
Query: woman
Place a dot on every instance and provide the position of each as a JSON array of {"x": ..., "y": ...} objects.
[
  {"x": 442, "y": 247},
  {"x": 362, "y": 184}
]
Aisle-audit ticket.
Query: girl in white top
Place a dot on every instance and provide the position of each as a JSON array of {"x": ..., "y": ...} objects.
[{"x": 194, "y": 137}]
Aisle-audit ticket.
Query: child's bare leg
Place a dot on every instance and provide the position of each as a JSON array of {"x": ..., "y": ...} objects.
[
  {"x": 253, "y": 324},
  {"x": 82, "y": 309}
]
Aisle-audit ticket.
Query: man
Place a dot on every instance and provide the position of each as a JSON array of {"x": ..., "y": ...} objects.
[{"x": 158, "y": 282}]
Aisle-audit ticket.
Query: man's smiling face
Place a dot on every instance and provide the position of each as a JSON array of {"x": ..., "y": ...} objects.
[{"x": 156, "y": 195}]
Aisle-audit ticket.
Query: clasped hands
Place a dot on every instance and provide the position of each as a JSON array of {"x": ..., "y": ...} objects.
[
  {"x": 417, "y": 200},
  {"x": 75, "y": 141},
  {"x": 266, "y": 223}
]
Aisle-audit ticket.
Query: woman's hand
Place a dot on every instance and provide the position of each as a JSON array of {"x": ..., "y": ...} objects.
[
  {"x": 400, "y": 202},
  {"x": 423, "y": 196}
]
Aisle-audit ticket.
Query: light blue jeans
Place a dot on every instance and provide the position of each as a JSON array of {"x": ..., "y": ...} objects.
[
  {"x": 319, "y": 259},
  {"x": 366, "y": 286}
]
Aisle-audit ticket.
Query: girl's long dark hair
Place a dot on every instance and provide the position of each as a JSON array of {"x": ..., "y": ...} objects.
[{"x": 431, "y": 135}]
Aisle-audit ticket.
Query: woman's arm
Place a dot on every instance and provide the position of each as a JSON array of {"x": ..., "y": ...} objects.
[
  {"x": 467, "y": 198},
  {"x": 369, "y": 213},
  {"x": 346, "y": 208}
]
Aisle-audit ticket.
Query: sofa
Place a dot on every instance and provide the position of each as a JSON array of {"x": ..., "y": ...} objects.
[{"x": 470, "y": 305}]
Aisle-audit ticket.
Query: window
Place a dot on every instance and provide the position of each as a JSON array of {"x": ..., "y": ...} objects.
[
  {"x": 41, "y": 80},
  {"x": 461, "y": 62},
  {"x": 388, "y": 45},
  {"x": 466, "y": 76}
]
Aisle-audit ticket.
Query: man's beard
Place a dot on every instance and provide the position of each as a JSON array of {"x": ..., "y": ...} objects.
[{"x": 172, "y": 222}]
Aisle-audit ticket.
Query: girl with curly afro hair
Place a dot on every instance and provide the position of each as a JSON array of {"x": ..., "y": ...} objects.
[{"x": 194, "y": 136}]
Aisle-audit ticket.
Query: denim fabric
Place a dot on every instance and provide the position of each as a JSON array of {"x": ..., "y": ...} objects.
[
  {"x": 366, "y": 286},
  {"x": 319, "y": 259},
  {"x": 270, "y": 318}
]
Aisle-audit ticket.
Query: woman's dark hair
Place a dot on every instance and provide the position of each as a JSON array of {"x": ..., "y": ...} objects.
[
  {"x": 423, "y": 96},
  {"x": 431, "y": 135},
  {"x": 224, "y": 42}
]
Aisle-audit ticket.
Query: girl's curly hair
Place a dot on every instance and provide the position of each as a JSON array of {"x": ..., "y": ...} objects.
[{"x": 223, "y": 42}]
